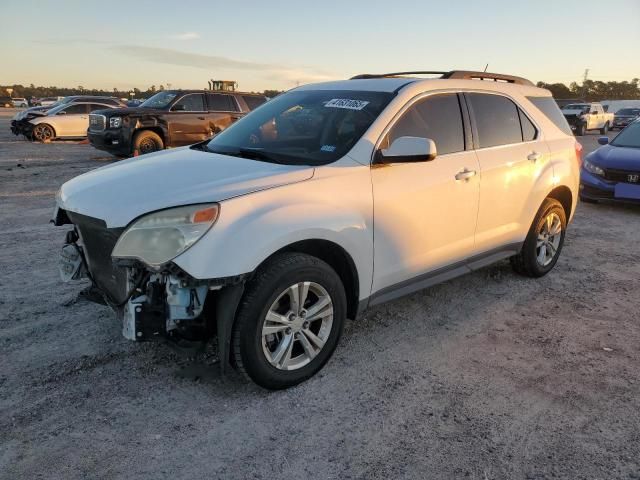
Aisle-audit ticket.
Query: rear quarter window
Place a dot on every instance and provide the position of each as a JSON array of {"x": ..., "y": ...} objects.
[
  {"x": 549, "y": 107},
  {"x": 253, "y": 102}
]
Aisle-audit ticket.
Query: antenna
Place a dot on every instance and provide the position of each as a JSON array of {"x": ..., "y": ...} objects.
[
  {"x": 485, "y": 67},
  {"x": 584, "y": 82}
]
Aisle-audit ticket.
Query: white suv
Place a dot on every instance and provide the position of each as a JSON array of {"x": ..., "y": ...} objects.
[{"x": 325, "y": 200}]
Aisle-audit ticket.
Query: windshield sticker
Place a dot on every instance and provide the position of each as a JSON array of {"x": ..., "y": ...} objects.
[
  {"x": 346, "y": 103},
  {"x": 328, "y": 148}
]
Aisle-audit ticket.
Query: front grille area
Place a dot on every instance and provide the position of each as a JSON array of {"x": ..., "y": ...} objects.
[
  {"x": 97, "y": 122},
  {"x": 614, "y": 175},
  {"x": 98, "y": 242}
]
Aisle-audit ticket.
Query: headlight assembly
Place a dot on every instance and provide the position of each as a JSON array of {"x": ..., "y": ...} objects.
[
  {"x": 159, "y": 237},
  {"x": 591, "y": 168},
  {"x": 115, "y": 122}
]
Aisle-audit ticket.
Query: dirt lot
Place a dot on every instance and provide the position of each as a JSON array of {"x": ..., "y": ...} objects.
[{"x": 488, "y": 376}]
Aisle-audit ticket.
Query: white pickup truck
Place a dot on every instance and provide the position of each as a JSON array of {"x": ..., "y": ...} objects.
[{"x": 583, "y": 117}]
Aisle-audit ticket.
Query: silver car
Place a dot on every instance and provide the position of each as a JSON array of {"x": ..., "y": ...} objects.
[{"x": 64, "y": 121}]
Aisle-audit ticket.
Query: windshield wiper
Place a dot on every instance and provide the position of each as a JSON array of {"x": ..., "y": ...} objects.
[{"x": 249, "y": 153}]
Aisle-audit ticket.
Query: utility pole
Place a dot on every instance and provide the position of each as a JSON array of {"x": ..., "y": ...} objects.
[{"x": 584, "y": 81}]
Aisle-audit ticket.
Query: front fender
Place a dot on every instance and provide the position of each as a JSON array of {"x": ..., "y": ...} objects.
[
  {"x": 241, "y": 245},
  {"x": 253, "y": 227}
]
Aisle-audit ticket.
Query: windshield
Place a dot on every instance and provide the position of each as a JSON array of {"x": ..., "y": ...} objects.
[
  {"x": 308, "y": 127},
  {"x": 629, "y": 137},
  {"x": 629, "y": 111},
  {"x": 577, "y": 106},
  {"x": 159, "y": 100},
  {"x": 56, "y": 108}
]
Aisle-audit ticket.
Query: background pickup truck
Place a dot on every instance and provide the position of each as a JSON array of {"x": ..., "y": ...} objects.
[
  {"x": 171, "y": 118},
  {"x": 583, "y": 117}
]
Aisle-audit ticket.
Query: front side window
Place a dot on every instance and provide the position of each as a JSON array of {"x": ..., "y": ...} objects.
[
  {"x": 303, "y": 127},
  {"x": 72, "y": 109},
  {"x": 193, "y": 102},
  {"x": 96, "y": 106},
  {"x": 438, "y": 118},
  {"x": 159, "y": 100},
  {"x": 497, "y": 120}
]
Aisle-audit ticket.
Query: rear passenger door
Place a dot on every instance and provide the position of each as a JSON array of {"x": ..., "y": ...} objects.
[
  {"x": 223, "y": 111},
  {"x": 512, "y": 156},
  {"x": 187, "y": 120}
]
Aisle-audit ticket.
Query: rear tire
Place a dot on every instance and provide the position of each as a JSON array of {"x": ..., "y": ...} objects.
[
  {"x": 542, "y": 247},
  {"x": 147, "y": 141},
  {"x": 279, "y": 341},
  {"x": 605, "y": 129}
]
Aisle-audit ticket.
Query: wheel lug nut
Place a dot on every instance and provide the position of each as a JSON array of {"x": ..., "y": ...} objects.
[
  {"x": 288, "y": 330},
  {"x": 292, "y": 317},
  {"x": 303, "y": 313},
  {"x": 305, "y": 325}
]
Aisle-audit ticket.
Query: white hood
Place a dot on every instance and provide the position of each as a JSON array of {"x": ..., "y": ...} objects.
[{"x": 123, "y": 191}]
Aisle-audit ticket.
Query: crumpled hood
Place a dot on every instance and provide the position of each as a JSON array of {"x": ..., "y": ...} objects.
[
  {"x": 620, "y": 158},
  {"x": 123, "y": 191}
]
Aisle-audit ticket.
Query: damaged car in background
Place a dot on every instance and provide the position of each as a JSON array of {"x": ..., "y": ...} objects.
[
  {"x": 21, "y": 119},
  {"x": 264, "y": 235},
  {"x": 68, "y": 120}
]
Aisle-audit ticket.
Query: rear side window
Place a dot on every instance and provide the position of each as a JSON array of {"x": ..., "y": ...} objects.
[
  {"x": 253, "y": 102},
  {"x": 497, "y": 120},
  {"x": 549, "y": 107},
  {"x": 529, "y": 131},
  {"x": 220, "y": 102},
  {"x": 438, "y": 118}
]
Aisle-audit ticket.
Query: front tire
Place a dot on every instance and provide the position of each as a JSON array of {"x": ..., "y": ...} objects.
[
  {"x": 289, "y": 321},
  {"x": 542, "y": 247},
  {"x": 605, "y": 129},
  {"x": 43, "y": 132},
  {"x": 147, "y": 141}
]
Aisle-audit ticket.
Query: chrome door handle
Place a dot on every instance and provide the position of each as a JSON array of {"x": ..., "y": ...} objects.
[
  {"x": 465, "y": 174},
  {"x": 534, "y": 156}
]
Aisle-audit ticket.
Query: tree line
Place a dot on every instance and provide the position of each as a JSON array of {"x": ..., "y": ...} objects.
[
  {"x": 22, "y": 91},
  {"x": 593, "y": 90},
  {"x": 590, "y": 90}
]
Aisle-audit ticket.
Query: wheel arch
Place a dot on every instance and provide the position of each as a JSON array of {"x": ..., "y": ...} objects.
[
  {"x": 565, "y": 197},
  {"x": 153, "y": 128},
  {"x": 338, "y": 259}
]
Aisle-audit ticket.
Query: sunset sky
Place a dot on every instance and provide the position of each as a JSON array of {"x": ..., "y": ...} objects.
[{"x": 276, "y": 44}]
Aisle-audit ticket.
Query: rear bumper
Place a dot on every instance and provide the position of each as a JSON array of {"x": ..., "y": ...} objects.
[{"x": 112, "y": 141}]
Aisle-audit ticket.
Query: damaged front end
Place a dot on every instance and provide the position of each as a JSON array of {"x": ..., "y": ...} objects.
[{"x": 153, "y": 302}]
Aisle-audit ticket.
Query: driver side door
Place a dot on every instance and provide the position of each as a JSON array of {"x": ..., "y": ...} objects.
[
  {"x": 425, "y": 212},
  {"x": 187, "y": 120},
  {"x": 73, "y": 122}
]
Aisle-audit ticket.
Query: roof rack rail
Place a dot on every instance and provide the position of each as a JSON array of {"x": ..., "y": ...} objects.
[
  {"x": 453, "y": 74},
  {"x": 496, "y": 77},
  {"x": 395, "y": 74}
]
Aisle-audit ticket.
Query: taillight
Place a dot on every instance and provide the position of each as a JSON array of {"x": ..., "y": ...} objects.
[{"x": 579, "y": 153}]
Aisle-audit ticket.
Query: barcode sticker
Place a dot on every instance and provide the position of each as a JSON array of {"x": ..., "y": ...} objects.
[{"x": 346, "y": 103}]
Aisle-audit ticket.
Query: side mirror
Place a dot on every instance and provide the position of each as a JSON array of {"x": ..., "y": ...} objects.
[
  {"x": 407, "y": 150},
  {"x": 603, "y": 140},
  {"x": 179, "y": 107}
]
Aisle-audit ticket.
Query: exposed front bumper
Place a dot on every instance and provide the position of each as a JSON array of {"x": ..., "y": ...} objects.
[{"x": 112, "y": 141}]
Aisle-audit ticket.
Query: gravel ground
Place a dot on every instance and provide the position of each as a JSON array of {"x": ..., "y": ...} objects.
[{"x": 488, "y": 376}]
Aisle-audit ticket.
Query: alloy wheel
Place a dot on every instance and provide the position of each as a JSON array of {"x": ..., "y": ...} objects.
[
  {"x": 43, "y": 132},
  {"x": 297, "y": 325},
  {"x": 549, "y": 237}
]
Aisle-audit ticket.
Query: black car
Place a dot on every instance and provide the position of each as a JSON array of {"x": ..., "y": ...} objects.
[
  {"x": 170, "y": 118},
  {"x": 6, "y": 102},
  {"x": 624, "y": 117}
]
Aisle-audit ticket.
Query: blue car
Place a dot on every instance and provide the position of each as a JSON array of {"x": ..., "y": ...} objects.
[{"x": 612, "y": 172}]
